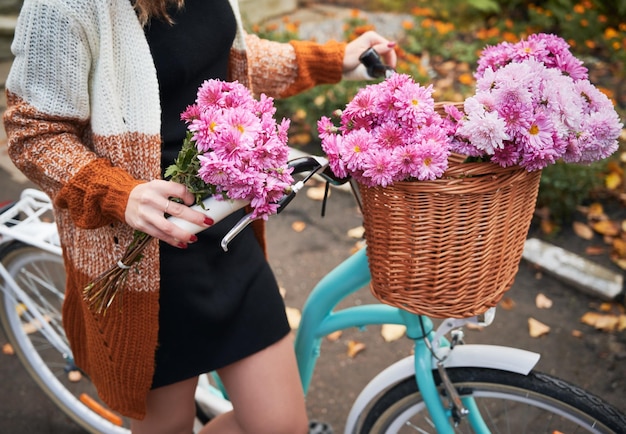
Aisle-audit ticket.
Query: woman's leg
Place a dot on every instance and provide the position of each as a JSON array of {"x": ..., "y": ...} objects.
[
  {"x": 171, "y": 410},
  {"x": 266, "y": 393}
]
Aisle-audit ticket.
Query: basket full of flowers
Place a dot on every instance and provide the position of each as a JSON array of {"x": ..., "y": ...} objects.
[{"x": 449, "y": 190}]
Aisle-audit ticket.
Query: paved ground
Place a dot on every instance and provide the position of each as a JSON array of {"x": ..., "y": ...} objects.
[{"x": 592, "y": 359}]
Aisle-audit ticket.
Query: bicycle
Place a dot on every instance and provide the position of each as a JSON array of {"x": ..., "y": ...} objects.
[{"x": 446, "y": 386}]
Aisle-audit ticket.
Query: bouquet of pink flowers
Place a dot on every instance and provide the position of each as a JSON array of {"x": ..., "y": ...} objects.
[
  {"x": 389, "y": 132},
  {"x": 234, "y": 151},
  {"x": 234, "y": 148},
  {"x": 534, "y": 105}
]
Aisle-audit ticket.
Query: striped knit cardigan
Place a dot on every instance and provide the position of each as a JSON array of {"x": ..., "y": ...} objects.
[{"x": 83, "y": 122}]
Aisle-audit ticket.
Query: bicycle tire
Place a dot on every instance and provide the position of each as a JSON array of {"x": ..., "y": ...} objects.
[
  {"x": 534, "y": 403},
  {"x": 41, "y": 276}
]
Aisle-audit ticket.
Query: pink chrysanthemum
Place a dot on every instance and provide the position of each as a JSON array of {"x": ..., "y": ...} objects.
[
  {"x": 432, "y": 160},
  {"x": 379, "y": 168},
  {"x": 389, "y": 132},
  {"x": 241, "y": 149},
  {"x": 485, "y": 130},
  {"x": 540, "y": 133}
]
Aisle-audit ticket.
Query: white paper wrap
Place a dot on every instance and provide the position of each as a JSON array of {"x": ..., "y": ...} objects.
[{"x": 217, "y": 209}]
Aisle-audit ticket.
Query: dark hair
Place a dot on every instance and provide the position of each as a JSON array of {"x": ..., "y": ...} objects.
[{"x": 148, "y": 9}]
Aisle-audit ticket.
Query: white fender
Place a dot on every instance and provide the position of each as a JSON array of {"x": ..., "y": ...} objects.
[{"x": 475, "y": 356}]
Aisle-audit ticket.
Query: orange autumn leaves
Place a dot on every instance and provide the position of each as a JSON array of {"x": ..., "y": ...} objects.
[
  {"x": 611, "y": 231},
  {"x": 609, "y": 317},
  {"x": 603, "y": 222}
]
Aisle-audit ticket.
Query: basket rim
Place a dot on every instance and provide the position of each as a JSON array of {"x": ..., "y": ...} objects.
[{"x": 459, "y": 168}]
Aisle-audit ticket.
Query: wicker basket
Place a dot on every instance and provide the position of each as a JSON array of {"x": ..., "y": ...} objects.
[{"x": 449, "y": 247}]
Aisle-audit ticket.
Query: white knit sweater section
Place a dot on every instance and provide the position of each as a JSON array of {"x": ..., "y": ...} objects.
[{"x": 86, "y": 59}]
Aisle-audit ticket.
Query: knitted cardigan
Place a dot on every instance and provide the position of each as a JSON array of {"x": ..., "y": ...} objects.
[{"x": 83, "y": 123}]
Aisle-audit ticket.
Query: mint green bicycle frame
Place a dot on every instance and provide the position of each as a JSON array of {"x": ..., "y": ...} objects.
[{"x": 319, "y": 320}]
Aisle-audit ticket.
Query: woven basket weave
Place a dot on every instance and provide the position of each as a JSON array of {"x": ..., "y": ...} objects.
[{"x": 449, "y": 247}]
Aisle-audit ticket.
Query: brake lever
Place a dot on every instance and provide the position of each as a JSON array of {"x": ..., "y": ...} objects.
[
  {"x": 310, "y": 164},
  {"x": 236, "y": 230}
]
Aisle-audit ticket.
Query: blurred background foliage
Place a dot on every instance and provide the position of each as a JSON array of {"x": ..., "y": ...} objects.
[{"x": 441, "y": 44}]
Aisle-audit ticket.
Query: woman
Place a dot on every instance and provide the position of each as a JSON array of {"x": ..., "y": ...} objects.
[{"x": 94, "y": 101}]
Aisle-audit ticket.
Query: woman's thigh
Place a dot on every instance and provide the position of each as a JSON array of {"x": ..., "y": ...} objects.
[
  {"x": 266, "y": 390},
  {"x": 170, "y": 410}
]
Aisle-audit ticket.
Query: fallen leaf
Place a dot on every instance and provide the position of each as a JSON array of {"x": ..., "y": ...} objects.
[
  {"x": 606, "y": 227},
  {"x": 20, "y": 309},
  {"x": 392, "y": 332},
  {"x": 472, "y": 326},
  {"x": 334, "y": 336},
  {"x": 507, "y": 303},
  {"x": 357, "y": 232},
  {"x": 547, "y": 226},
  {"x": 357, "y": 246},
  {"x": 34, "y": 325},
  {"x": 354, "y": 348},
  {"x": 293, "y": 317},
  {"x": 537, "y": 328},
  {"x": 577, "y": 333},
  {"x": 595, "y": 251},
  {"x": 603, "y": 322},
  {"x": 608, "y": 239},
  {"x": 8, "y": 349},
  {"x": 596, "y": 212},
  {"x": 606, "y": 307},
  {"x": 543, "y": 302},
  {"x": 74, "y": 376},
  {"x": 621, "y": 325},
  {"x": 298, "y": 226},
  {"x": 583, "y": 230},
  {"x": 621, "y": 263},
  {"x": 317, "y": 193},
  {"x": 613, "y": 180},
  {"x": 619, "y": 247}
]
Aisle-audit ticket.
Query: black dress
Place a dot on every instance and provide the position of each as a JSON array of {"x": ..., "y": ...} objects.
[{"x": 216, "y": 307}]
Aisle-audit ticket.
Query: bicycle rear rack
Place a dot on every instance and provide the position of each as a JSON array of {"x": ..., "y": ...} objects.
[{"x": 31, "y": 221}]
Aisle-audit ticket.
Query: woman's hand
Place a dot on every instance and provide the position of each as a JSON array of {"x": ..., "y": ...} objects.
[
  {"x": 370, "y": 39},
  {"x": 149, "y": 202}
]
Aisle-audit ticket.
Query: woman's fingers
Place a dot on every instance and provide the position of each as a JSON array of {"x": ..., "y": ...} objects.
[
  {"x": 149, "y": 203},
  {"x": 370, "y": 39}
]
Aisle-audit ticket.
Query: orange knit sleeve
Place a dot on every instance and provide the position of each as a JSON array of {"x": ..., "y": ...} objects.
[
  {"x": 284, "y": 69},
  {"x": 317, "y": 64},
  {"x": 97, "y": 195}
]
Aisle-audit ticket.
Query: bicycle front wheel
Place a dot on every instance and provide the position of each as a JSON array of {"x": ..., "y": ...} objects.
[
  {"x": 44, "y": 351},
  {"x": 508, "y": 403}
]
